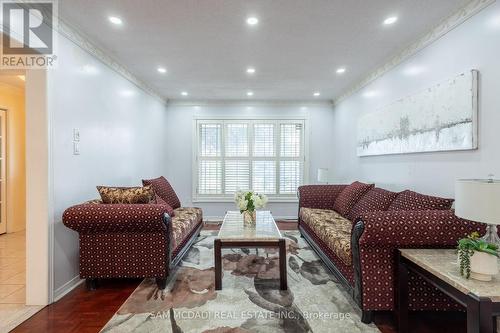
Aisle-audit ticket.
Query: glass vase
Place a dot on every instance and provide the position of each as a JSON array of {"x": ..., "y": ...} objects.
[{"x": 249, "y": 218}]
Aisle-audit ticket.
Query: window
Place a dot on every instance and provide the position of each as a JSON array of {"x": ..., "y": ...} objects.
[{"x": 267, "y": 156}]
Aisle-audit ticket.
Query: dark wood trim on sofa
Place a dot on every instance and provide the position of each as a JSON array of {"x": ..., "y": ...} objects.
[
  {"x": 357, "y": 231},
  {"x": 355, "y": 292},
  {"x": 328, "y": 263},
  {"x": 171, "y": 264},
  {"x": 192, "y": 238}
]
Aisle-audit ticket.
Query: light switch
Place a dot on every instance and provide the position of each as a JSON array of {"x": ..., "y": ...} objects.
[
  {"x": 76, "y": 148},
  {"x": 76, "y": 135}
]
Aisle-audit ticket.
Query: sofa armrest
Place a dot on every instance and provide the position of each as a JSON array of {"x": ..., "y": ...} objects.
[
  {"x": 95, "y": 218},
  {"x": 432, "y": 228},
  {"x": 377, "y": 235},
  {"x": 318, "y": 196}
]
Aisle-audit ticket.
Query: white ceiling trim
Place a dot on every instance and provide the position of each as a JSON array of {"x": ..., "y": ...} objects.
[
  {"x": 80, "y": 40},
  {"x": 439, "y": 31},
  {"x": 223, "y": 102}
]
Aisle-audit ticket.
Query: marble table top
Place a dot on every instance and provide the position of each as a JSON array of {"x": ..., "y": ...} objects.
[
  {"x": 233, "y": 228},
  {"x": 443, "y": 263}
]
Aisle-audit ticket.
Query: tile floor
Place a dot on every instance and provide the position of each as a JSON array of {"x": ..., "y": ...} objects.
[{"x": 13, "y": 310}]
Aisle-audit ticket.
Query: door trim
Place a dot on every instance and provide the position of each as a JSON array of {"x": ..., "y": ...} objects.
[{"x": 39, "y": 191}]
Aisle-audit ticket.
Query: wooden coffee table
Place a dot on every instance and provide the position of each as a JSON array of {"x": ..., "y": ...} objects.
[{"x": 234, "y": 234}]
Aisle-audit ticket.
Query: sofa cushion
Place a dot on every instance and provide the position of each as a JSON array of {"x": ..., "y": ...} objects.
[
  {"x": 162, "y": 187},
  {"x": 333, "y": 229},
  {"x": 349, "y": 196},
  {"x": 409, "y": 200},
  {"x": 375, "y": 199},
  {"x": 126, "y": 195},
  {"x": 159, "y": 201},
  {"x": 184, "y": 221}
]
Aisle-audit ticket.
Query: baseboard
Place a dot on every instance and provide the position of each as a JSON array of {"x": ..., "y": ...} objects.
[
  {"x": 216, "y": 219},
  {"x": 67, "y": 287}
]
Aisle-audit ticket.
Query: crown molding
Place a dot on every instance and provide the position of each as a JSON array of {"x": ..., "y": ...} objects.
[
  {"x": 79, "y": 38},
  {"x": 246, "y": 102},
  {"x": 439, "y": 31}
]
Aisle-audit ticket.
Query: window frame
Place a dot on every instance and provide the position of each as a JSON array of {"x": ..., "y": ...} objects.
[{"x": 304, "y": 158}]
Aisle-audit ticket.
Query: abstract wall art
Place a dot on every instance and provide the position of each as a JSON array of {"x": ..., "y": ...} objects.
[{"x": 440, "y": 118}]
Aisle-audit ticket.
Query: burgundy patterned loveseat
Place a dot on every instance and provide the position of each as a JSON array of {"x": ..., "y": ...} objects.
[
  {"x": 356, "y": 230},
  {"x": 134, "y": 240}
]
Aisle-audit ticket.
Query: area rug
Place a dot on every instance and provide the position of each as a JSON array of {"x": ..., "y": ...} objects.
[{"x": 250, "y": 299}]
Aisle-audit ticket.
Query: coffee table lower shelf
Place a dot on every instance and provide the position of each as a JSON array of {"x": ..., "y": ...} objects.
[{"x": 220, "y": 244}]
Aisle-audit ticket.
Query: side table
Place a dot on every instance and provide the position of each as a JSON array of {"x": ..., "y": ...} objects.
[{"x": 440, "y": 268}]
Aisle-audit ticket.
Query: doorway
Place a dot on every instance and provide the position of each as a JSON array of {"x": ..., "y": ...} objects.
[{"x": 13, "y": 217}]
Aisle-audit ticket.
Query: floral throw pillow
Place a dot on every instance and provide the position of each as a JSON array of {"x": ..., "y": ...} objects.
[{"x": 126, "y": 195}]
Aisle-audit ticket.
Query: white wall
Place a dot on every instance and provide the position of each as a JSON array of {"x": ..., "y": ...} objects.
[
  {"x": 123, "y": 139},
  {"x": 179, "y": 143},
  {"x": 472, "y": 45}
]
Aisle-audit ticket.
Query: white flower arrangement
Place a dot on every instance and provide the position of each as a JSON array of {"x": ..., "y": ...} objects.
[{"x": 249, "y": 201}]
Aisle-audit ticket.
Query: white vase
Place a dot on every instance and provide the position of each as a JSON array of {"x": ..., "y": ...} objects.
[{"x": 483, "y": 266}]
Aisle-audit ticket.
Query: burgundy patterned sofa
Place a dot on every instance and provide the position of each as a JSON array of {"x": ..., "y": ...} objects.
[
  {"x": 356, "y": 230},
  {"x": 134, "y": 240}
]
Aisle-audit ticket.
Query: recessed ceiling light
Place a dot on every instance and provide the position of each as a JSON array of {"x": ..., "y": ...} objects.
[
  {"x": 249, "y": 93},
  {"x": 252, "y": 20},
  {"x": 115, "y": 20},
  {"x": 341, "y": 70},
  {"x": 184, "y": 93},
  {"x": 251, "y": 70},
  {"x": 390, "y": 20},
  {"x": 316, "y": 94},
  {"x": 162, "y": 70}
]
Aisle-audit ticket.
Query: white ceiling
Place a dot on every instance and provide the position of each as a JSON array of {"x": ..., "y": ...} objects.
[{"x": 296, "y": 47}]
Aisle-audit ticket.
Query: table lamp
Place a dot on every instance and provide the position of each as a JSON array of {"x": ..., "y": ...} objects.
[
  {"x": 479, "y": 200},
  {"x": 322, "y": 175}
]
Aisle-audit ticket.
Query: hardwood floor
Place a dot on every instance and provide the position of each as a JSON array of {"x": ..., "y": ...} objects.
[{"x": 83, "y": 311}]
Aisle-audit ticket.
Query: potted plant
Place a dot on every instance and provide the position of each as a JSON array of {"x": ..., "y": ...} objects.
[
  {"x": 247, "y": 203},
  {"x": 477, "y": 258}
]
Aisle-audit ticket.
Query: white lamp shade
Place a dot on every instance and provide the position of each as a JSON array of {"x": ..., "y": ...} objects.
[
  {"x": 323, "y": 175},
  {"x": 478, "y": 200}
]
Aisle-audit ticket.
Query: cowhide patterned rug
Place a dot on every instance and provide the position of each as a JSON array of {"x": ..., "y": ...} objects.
[{"x": 250, "y": 299}]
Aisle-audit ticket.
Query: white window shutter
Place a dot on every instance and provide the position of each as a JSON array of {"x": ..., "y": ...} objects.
[
  {"x": 236, "y": 176},
  {"x": 236, "y": 144},
  {"x": 210, "y": 177},
  {"x": 210, "y": 144},
  {"x": 291, "y": 140},
  {"x": 266, "y": 156},
  {"x": 264, "y": 177},
  {"x": 290, "y": 176},
  {"x": 263, "y": 140}
]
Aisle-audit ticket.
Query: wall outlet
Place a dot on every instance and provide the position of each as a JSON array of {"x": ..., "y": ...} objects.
[
  {"x": 76, "y": 148},
  {"x": 76, "y": 135}
]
